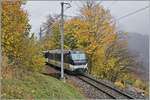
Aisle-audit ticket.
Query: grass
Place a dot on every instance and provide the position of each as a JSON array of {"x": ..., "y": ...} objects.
[{"x": 38, "y": 86}]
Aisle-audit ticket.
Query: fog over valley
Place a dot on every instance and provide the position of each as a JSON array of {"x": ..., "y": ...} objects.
[{"x": 139, "y": 44}]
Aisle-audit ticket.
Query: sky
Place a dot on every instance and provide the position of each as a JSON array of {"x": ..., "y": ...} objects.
[{"x": 138, "y": 23}]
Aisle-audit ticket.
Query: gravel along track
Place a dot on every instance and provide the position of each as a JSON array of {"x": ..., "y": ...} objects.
[
  {"x": 85, "y": 88},
  {"x": 111, "y": 92}
]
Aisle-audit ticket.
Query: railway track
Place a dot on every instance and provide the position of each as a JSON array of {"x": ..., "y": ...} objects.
[
  {"x": 101, "y": 86},
  {"x": 108, "y": 90}
]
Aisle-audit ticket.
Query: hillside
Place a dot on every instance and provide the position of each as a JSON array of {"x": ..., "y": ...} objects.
[
  {"x": 38, "y": 86},
  {"x": 139, "y": 44}
]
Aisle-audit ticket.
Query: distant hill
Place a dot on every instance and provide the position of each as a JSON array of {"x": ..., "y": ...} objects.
[{"x": 139, "y": 44}]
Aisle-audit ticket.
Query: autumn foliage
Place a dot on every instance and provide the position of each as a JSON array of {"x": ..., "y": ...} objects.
[
  {"x": 93, "y": 31},
  {"x": 20, "y": 50}
]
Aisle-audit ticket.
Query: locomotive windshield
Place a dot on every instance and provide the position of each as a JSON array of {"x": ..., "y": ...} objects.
[{"x": 78, "y": 56}]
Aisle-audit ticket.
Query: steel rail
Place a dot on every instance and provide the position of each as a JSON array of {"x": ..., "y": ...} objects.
[
  {"x": 108, "y": 86},
  {"x": 90, "y": 83},
  {"x": 83, "y": 76}
]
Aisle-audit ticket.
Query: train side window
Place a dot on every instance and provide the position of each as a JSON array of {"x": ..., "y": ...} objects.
[
  {"x": 67, "y": 58},
  {"x": 49, "y": 56},
  {"x": 59, "y": 56},
  {"x": 56, "y": 58},
  {"x": 53, "y": 56}
]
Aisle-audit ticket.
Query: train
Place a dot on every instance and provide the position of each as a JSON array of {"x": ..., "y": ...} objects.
[{"x": 74, "y": 60}]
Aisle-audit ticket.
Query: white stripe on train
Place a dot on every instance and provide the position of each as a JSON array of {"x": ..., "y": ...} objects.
[{"x": 66, "y": 65}]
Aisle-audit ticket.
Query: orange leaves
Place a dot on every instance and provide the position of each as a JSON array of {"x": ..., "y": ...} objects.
[
  {"x": 14, "y": 22},
  {"x": 87, "y": 12},
  {"x": 17, "y": 46},
  {"x": 78, "y": 29}
]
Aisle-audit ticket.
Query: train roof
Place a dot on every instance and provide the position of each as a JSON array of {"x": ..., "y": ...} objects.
[{"x": 65, "y": 51}]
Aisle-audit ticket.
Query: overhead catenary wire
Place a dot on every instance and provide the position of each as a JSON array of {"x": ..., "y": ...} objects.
[
  {"x": 117, "y": 19},
  {"x": 122, "y": 17},
  {"x": 132, "y": 13}
]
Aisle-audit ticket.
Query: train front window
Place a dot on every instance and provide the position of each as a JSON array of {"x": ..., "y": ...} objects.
[{"x": 78, "y": 56}]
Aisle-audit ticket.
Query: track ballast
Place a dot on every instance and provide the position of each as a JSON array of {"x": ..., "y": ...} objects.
[{"x": 101, "y": 86}]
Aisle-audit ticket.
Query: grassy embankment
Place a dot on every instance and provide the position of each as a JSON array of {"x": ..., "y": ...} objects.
[{"x": 38, "y": 86}]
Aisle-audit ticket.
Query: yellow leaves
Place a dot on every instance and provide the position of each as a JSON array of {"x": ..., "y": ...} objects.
[
  {"x": 87, "y": 12},
  {"x": 14, "y": 22},
  {"x": 16, "y": 44},
  {"x": 37, "y": 60},
  {"x": 119, "y": 84},
  {"x": 138, "y": 83},
  {"x": 33, "y": 91},
  {"x": 93, "y": 33},
  {"x": 111, "y": 62}
]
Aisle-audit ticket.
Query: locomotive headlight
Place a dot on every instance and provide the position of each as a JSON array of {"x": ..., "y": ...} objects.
[
  {"x": 71, "y": 67},
  {"x": 86, "y": 66}
]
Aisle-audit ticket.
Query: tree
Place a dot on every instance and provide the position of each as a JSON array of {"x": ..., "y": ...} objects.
[
  {"x": 92, "y": 31},
  {"x": 21, "y": 50},
  {"x": 14, "y": 25},
  {"x": 119, "y": 57},
  {"x": 51, "y": 38}
]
